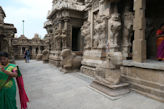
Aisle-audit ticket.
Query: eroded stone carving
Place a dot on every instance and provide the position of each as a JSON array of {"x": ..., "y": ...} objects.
[
  {"x": 102, "y": 32},
  {"x": 70, "y": 61},
  {"x": 127, "y": 31},
  {"x": 45, "y": 56},
  {"x": 106, "y": 75},
  {"x": 99, "y": 39},
  {"x": 114, "y": 30},
  {"x": 85, "y": 33}
]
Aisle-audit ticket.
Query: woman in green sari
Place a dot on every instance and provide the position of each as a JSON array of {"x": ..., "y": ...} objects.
[{"x": 8, "y": 86}]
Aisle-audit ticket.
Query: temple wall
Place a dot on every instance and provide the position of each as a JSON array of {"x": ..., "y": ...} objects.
[{"x": 111, "y": 32}]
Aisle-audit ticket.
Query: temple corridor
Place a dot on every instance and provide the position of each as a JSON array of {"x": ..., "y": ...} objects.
[{"x": 48, "y": 88}]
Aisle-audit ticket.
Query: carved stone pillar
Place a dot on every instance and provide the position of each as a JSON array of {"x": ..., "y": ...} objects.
[
  {"x": 139, "y": 43},
  {"x": 21, "y": 51},
  {"x": 33, "y": 50},
  {"x": 58, "y": 39},
  {"x": 60, "y": 25},
  {"x": 64, "y": 34},
  {"x": 39, "y": 50}
]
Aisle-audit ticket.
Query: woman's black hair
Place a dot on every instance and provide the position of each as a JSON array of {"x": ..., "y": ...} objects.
[
  {"x": 4, "y": 54},
  {"x": 161, "y": 25}
]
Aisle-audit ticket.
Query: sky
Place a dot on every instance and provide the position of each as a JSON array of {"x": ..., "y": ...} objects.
[{"x": 33, "y": 12}]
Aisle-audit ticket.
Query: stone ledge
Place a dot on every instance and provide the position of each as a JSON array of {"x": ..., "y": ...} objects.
[
  {"x": 153, "y": 85},
  {"x": 157, "y": 95},
  {"x": 121, "y": 85},
  {"x": 149, "y": 64},
  {"x": 115, "y": 93}
]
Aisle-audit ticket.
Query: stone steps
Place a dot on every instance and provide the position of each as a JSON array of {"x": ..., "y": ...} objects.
[{"x": 147, "y": 88}]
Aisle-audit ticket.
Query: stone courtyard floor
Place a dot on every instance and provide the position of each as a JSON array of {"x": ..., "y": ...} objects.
[{"x": 48, "y": 88}]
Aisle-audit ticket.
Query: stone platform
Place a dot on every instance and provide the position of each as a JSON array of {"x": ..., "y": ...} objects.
[{"x": 114, "y": 91}]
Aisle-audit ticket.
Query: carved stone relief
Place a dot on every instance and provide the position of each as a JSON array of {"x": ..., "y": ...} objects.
[
  {"x": 85, "y": 33},
  {"x": 127, "y": 31},
  {"x": 114, "y": 30}
]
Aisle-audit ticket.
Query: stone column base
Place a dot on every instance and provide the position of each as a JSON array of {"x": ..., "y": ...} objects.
[{"x": 114, "y": 91}]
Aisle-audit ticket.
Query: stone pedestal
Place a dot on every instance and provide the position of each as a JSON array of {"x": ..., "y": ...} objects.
[
  {"x": 114, "y": 91},
  {"x": 91, "y": 59},
  {"x": 108, "y": 81}
]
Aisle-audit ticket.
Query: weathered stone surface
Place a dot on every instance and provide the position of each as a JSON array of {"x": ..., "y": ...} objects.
[
  {"x": 111, "y": 90},
  {"x": 70, "y": 61},
  {"x": 114, "y": 31},
  {"x": 39, "y": 57},
  {"x": 45, "y": 56},
  {"x": 139, "y": 50}
]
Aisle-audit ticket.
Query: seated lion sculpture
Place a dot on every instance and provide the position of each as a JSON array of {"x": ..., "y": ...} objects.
[
  {"x": 45, "y": 56},
  {"x": 70, "y": 61}
]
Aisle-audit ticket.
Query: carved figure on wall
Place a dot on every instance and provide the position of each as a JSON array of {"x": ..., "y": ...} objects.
[
  {"x": 85, "y": 32},
  {"x": 97, "y": 20},
  {"x": 64, "y": 39},
  {"x": 114, "y": 29},
  {"x": 58, "y": 39},
  {"x": 127, "y": 31},
  {"x": 102, "y": 32},
  {"x": 70, "y": 61}
]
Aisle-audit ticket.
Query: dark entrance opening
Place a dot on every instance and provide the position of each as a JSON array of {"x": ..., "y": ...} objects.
[
  {"x": 23, "y": 50},
  {"x": 154, "y": 18},
  {"x": 30, "y": 48},
  {"x": 75, "y": 39}
]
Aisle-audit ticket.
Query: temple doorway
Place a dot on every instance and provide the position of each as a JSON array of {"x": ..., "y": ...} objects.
[
  {"x": 76, "y": 39},
  {"x": 154, "y": 18},
  {"x": 23, "y": 50},
  {"x": 37, "y": 49}
]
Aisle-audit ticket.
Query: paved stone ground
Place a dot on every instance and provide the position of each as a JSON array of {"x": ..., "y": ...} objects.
[{"x": 48, "y": 88}]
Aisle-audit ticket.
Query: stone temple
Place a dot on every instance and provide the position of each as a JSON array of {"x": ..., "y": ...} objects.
[
  {"x": 36, "y": 46},
  {"x": 112, "y": 41},
  {"x": 7, "y": 32}
]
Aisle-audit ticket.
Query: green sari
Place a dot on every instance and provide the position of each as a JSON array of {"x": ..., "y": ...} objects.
[{"x": 7, "y": 90}]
